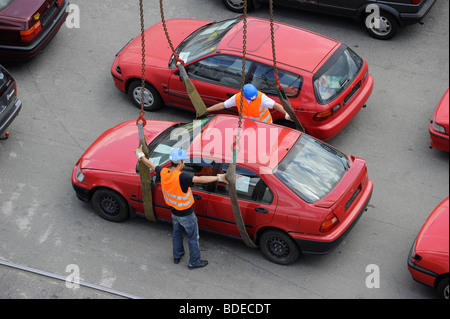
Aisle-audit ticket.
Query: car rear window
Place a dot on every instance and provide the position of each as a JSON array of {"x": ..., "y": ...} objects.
[
  {"x": 5, "y": 3},
  {"x": 3, "y": 78},
  {"x": 332, "y": 80},
  {"x": 312, "y": 168}
]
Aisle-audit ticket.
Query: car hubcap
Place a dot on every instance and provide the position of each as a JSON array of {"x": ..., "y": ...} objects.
[
  {"x": 446, "y": 292},
  {"x": 109, "y": 205},
  {"x": 381, "y": 26},
  {"x": 278, "y": 247},
  {"x": 237, "y": 4},
  {"x": 148, "y": 97}
]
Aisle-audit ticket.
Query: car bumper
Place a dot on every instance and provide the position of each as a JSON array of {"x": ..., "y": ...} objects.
[
  {"x": 439, "y": 140},
  {"x": 8, "y": 116},
  {"x": 411, "y": 18},
  {"x": 17, "y": 53},
  {"x": 418, "y": 273},
  {"x": 332, "y": 128},
  {"x": 82, "y": 193},
  {"x": 325, "y": 246}
]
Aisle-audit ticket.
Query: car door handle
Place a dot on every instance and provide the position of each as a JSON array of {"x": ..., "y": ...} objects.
[
  {"x": 261, "y": 210},
  {"x": 197, "y": 197}
]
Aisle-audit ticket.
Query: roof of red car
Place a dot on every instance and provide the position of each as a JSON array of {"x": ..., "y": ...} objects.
[{"x": 294, "y": 46}]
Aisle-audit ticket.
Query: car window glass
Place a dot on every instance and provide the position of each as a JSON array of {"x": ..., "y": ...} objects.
[
  {"x": 5, "y": 3},
  {"x": 249, "y": 186},
  {"x": 263, "y": 78},
  {"x": 2, "y": 79},
  {"x": 198, "y": 167},
  {"x": 225, "y": 70}
]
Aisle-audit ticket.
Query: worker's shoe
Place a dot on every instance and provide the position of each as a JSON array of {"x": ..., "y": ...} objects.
[
  {"x": 177, "y": 260},
  {"x": 202, "y": 263}
]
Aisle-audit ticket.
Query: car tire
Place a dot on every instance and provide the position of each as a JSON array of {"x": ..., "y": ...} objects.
[
  {"x": 443, "y": 289},
  {"x": 110, "y": 205},
  {"x": 279, "y": 247},
  {"x": 153, "y": 100},
  {"x": 389, "y": 26},
  {"x": 237, "y": 5}
]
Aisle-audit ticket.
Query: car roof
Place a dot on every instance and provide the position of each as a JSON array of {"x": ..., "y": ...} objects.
[
  {"x": 261, "y": 143},
  {"x": 295, "y": 47}
]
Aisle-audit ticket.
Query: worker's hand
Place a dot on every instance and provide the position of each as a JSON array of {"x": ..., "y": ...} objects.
[
  {"x": 139, "y": 152},
  {"x": 287, "y": 117},
  {"x": 222, "y": 178},
  {"x": 199, "y": 117}
]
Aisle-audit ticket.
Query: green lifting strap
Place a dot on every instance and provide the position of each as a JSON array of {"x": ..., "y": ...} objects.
[
  {"x": 144, "y": 173},
  {"x": 196, "y": 100}
]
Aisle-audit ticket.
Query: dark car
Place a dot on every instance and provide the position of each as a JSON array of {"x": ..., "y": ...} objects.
[
  {"x": 27, "y": 26},
  {"x": 10, "y": 105},
  {"x": 381, "y": 18}
]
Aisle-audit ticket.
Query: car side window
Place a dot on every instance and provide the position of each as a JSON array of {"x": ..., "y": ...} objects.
[
  {"x": 263, "y": 78},
  {"x": 224, "y": 70},
  {"x": 198, "y": 167},
  {"x": 249, "y": 186}
]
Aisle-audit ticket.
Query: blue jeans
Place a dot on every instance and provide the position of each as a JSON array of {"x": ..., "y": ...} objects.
[{"x": 190, "y": 225}]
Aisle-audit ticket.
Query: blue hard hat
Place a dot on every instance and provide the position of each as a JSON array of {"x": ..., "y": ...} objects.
[
  {"x": 178, "y": 154},
  {"x": 250, "y": 92}
]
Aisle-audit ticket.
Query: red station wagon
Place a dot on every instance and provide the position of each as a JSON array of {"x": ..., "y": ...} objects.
[
  {"x": 297, "y": 194},
  {"x": 327, "y": 83},
  {"x": 27, "y": 26}
]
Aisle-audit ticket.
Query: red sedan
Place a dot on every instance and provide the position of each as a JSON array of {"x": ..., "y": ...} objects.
[
  {"x": 327, "y": 83},
  {"x": 428, "y": 258},
  {"x": 27, "y": 26},
  {"x": 297, "y": 194},
  {"x": 439, "y": 128}
]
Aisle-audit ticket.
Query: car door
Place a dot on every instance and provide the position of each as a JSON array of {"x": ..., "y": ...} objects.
[
  {"x": 216, "y": 78},
  {"x": 346, "y": 8},
  {"x": 256, "y": 200}
]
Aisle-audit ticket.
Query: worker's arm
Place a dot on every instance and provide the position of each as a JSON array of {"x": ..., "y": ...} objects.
[
  {"x": 209, "y": 179},
  {"x": 216, "y": 107},
  {"x": 142, "y": 158},
  {"x": 280, "y": 108}
]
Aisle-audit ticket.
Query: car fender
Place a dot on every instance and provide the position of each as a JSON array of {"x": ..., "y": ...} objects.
[{"x": 361, "y": 13}]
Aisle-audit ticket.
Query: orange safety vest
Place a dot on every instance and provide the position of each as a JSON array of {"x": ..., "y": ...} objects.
[
  {"x": 254, "y": 110},
  {"x": 172, "y": 192}
]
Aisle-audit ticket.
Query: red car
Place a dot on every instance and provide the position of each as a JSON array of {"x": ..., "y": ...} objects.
[
  {"x": 27, "y": 26},
  {"x": 297, "y": 194},
  {"x": 428, "y": 258},
  {"x": 439, "y": 129},
  {"x": 327, "y": 83}
]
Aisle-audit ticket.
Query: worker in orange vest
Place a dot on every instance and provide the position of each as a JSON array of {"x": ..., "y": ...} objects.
[
  {"x": 256, "y": 105},
  {"x": 176, "y": 188}
]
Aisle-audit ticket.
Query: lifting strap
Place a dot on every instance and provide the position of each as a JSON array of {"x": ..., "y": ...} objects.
[
  {"x": 144, "y": 173},
  {"x": 196, "y": 100},
  {"x": 281, "y": 94},
  {"x": 231, "y": 172}
]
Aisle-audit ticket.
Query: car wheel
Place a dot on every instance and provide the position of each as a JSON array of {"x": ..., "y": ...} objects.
[
  {"x": 110, "y": 205},
  {"x": 279, "y": 247},
  {"x": 383, "y": 27},
  {"x": 443, "y": 290},
  {"x": 237, "y": 5},
  {"x": 152, "y": 99}
]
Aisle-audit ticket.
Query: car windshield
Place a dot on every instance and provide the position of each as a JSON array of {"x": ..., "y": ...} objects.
[
  {"x": 335, "y": 79},
  {"x": 204, "y": 40},
  {"x": 177, "y": 136},
  {"x": 5, "y": 3},
  {"x": 312, "y": 168}
]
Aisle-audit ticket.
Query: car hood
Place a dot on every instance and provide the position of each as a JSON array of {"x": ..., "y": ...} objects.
[
  {"x": 114, "y": 149},
  {"x": 157, "y": 49},
  {"x": 442, "y": 111},
  {"x": 434, "y": 235}
]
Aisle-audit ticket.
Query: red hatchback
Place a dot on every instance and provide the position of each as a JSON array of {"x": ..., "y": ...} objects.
[
  {"x": 428, "y": 258},
  {"x": 439, "y": 128},
  {"x": 27, "y": 26},
  {"x": 326, "y": 82},
  {"x": 297, "y": 194}
]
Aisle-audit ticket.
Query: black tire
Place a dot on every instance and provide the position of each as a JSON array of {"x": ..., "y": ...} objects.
[
  {"x": 110, "y": 205},
  {"x": 442, "y": 288},
  {"x": 279, "y": 247},
  {"x": 388, "y": 26},
  {"x": 153, "y": 100},
  {"x": 237, "y": 5}
]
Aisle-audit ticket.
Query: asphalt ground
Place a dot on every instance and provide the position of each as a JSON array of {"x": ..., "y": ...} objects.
[{"x": 69, "y": 99}]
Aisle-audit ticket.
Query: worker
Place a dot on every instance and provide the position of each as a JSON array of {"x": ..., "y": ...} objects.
[
  {"x": 256, "y": 105},
  {"x": 176, "y": 187}
]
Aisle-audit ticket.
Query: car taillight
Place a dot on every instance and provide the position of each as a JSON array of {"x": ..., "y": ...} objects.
[
  {"x": 29, "y": 34},
  {"x": 15, "y": 89},
  {"x": 323, "y": 116},
  {"x": 416, "y": 1},
  {"x": 60, "y": 2},
  {"x": 329, "y": 223}
]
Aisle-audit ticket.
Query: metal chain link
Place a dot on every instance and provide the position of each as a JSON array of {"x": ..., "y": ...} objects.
[
  {"x": 142, "y": 113},
  {"x": 163, "y": 20},
  {"x": 272, "y": 36}
]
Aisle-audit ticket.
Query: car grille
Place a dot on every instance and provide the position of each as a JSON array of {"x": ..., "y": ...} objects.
[
  {"x": 352, "y": 93},
  {"x": 49, "y": 14},
  {"x": 352, "y": 198}
]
